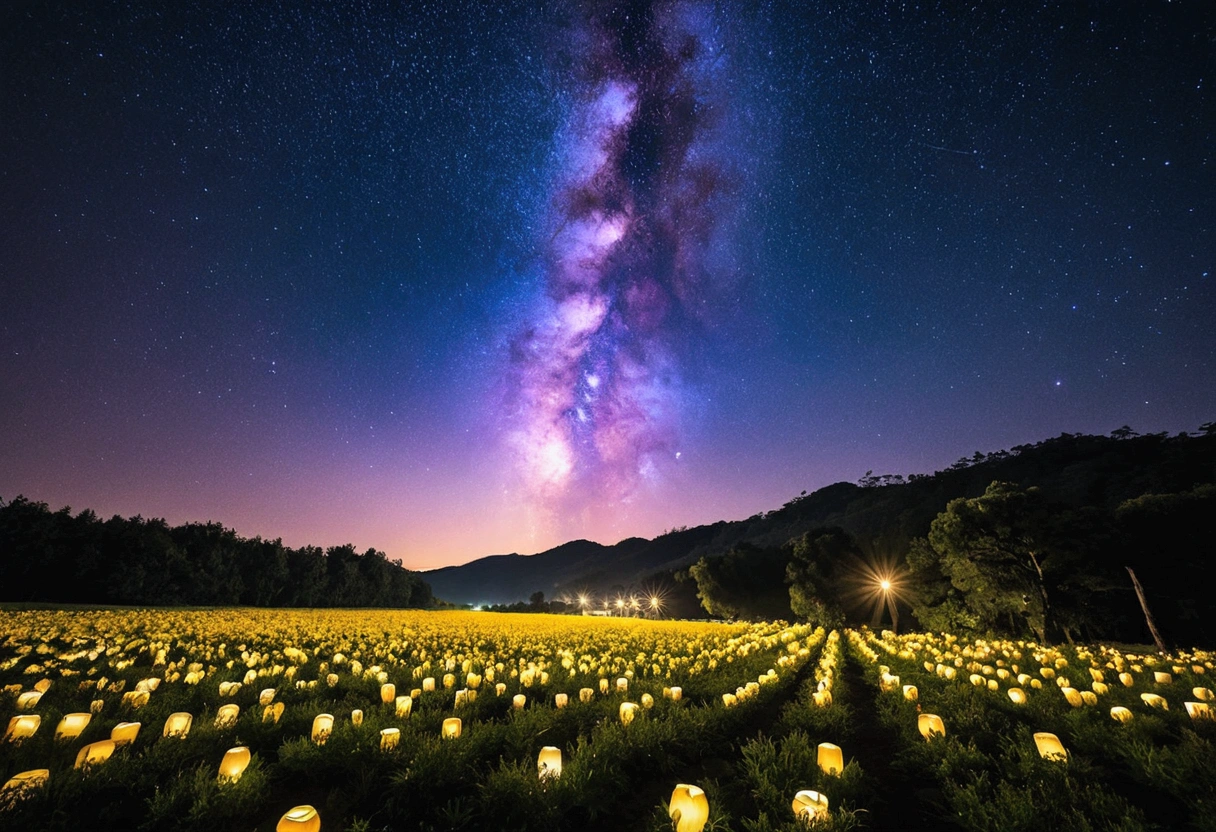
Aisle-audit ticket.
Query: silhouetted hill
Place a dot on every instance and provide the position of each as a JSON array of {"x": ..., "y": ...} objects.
[{"x": 883, "y": 513}]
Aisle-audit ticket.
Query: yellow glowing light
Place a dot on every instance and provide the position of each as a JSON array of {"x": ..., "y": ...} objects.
[
  {"x": 234, "y": 763},
  {"x": 810, "y": 805},
  {"x": 688, "y": 808},
  {"x": 300, "y": 819}
]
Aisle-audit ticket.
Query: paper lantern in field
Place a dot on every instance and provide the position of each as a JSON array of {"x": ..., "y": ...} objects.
[
  {"x": 229, "y": 688},
  {"x": 331, "y": 679},
  {"x": 451, "y": 728},
  {"x": 628, "y": 711},
  {"x": 1162, "y": 678},
  {"x": 28, "y": 700},
  {"x": 389, "y": 738},
  {"x": 911, "y": 693},
  {"x": 1120, "y": 714},
  {"x": 124, "y": 732},
  {"x": 1155, "y": 701},
  {"x": 271, "y": 713},
  {"x": 416, "y": 694},
  {"x": 428, "y": 684},
  {"x": 227, "y": 715},
  {"x": 647, "y": 701},
  {"x": 810, "y": 806},
  {"x": 16, "y": 786},
  {"x": 822, "y": 698},
  {"x": 549, "y": 762},
  {"x": 1202, "y": 694},
  {"x": 677, "y": 694},
  {"x": 356, "y": 717},
  {"x": 472, "y": 681},
  {"x": 96, "y": 706},
  {"x": 500, "y": 688},
  {"x": 977, "y": 680},
  {"x": 95, "y": 753},
  {"x": 1089, "y": 697},
  {"x": 388, "y": 693},
  {"x": 322, "y": 727},
  {"x": 1072, "y": 696},
  {"x": 1050, "y": 747},
  {"x": 730, "y": 700},
  {"x": 1126, "y": 679},
  {"x": 235, "y": 761},
  {"x": 178, "y": 725},
  {"x": 22, "y": 727},
  {"x": 603, "y": 685},
  {"x": 622, "y": 685},
  {"x": 930, "y": 724},
  {"x": 449, "y": 681},
  {"x": 1100, "y": 688},
  {"x": 1017, "y": 696},
  {"x": 266, "y": 696},
  {"x": 405, "y": 706},
  {"x": 462, "y": 698},
  {"x": 993, "y": 685},
  {"x": 1198, "y": 710},
  {"x": 831, "y": 758},
  {"x": 300, "y": 819},
  {"x": 518, "y": 701},
  {"x": 561, "y": 700},
  {"x": 688, "y": 808},
  {"x": 586, "y": 695},
  {"x": 42, "y": 685}
]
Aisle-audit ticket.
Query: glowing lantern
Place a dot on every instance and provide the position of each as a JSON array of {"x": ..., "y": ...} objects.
[
  {"x": 677, "y": 694},
  {"x": 1073, "y": 697},
  {"x": 416, "y": 694},
  {"x": 124, "y": 732},
  {"x": 822, "y": 698},
  {"x": 428, "y": 684},
  {"x": 235, "y": 761},
  {"x": 95, "y": 753},
  {"x": 178, "y": 725},
  {"x": 227, "y": 715},
  {"x": 1162, "y": 678},
  {"x": 271, "y": 713},
  {"x": 266, "y": 696},
  {"x": 930, "y": 724},
  {"x": 1155, "y": 701},
  {"x": 1047, "y": 672},
  {"x": 887, "y": 682},
  {"x": 993, "y": 685},
  {"x": 911, "y": 693},
  {"x": 603, "y": 685},
  {"x": 300, "y": 819},
  {"x": 628, "y": 711},
  {"x": 322, "y": 727},
  {"x": 388, "y": 693},
  {"x": 500, "y": 688},
  {"x": 451, "y": 728},
  {"x": 977, "y": 680},
  {"x": 26, "y": 780},
  {"x": 831, "y": 758},
  {"x": 518, "y": 701},
  {"x": 549, "y": 762},
  {"x": 1017, "y": 696},
  {"x": 688, "y": 808},
  {"x": 647, "y": 701},
  {"x": 356, "y": 717},
  {"x": 1035, "y": 684},
  {"x": 42, "y": 685},
  {"x": 405, "y": 706},
  {"x": 22, "y": 727},
  {"x": 1202, "y": 694},
  {"x": 332, "y": 680},
  {"x": 389, "y": 737},
  {"x": 1100, "y": 688},
  {"x": 1126, "y": 679},
  {"x": 622, "y": 685},
  {"x": 1120, "y": 714},
  {"x": 810, "y": 806},
  {"x": 29, "y": 699},
  {"x": 229, "y": 688},
  {"x": 560, "y": 700},
  {"x": 96, "y": 705},
  {"x": 1050, "y": 747},
  {"x": 1198, "y": 710},
  {"x": 1095, "y": 674},
  {"x": 472, "y": 681},
  {"x": 730, "y": 700},
  {"x": 1089, "y": 697}
]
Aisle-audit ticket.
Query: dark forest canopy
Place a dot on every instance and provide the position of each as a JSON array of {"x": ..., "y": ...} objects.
[{"x": 60, "y": 557}]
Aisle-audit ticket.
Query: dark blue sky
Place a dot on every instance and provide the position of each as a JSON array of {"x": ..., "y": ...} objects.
[{"x": 463, "y": 278}]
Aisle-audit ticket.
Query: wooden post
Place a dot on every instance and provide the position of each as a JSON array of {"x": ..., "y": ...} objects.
[{"x": 1148, "y": 616}]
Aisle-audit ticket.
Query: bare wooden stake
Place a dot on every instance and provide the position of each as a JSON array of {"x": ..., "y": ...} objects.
[{"x": 1148, "y": 616}]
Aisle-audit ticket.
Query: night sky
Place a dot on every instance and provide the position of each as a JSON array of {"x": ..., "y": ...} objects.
[{"x": 459, "y": 278}]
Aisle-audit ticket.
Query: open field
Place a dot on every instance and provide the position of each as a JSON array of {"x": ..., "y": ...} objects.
[{"x": 344, "y": 711}]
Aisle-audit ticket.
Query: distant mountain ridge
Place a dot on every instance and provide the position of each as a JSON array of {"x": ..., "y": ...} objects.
[{"x": 882, "y": 512}]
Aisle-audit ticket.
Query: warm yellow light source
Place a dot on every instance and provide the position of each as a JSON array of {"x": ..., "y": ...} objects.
[
  {"x": 647, "y": 701},
  {"x": 1155, "y": 701},
  {"x": 428, "y": 684},
  {"x": 1202, "y": 694},
  {"x": 389, "y": 737},
  {"x": 603, "y": 685},
  {"x": 911, "y": 693},
  {"x": 549, "y": 762},
  {"x": 356, "y": 717},
  {"x": 810, "y": 806},
  {"x": 124, "y": 732},
  {"x": 586, "y": 695},
  {"x": 322, "y": 727},
  {"x": 178, "y": 725},
  {"x": 1162, "y": 678},
  {"x": 20, "y": 783},
  {"x": 22, "y": 727},
  {"x": 266, "y": 696},
  {"x": 1017, "y": 696},
  {"x": 451, "y": 728},
  {"x": 95, "y": 753},
  {"x": 688, "y": 808},
  {"x": 627, "y": 712},
  {"x": 405, "y": 706},
  {"x": 1126, "y": 679},
  {"x": 518, "y": 701},
  {"x": 561, "y": 700},
  {"x": 1120, "y": 714},
  {"x": 388, "y": 693},
  {"x": 677, "y": 694},
  {"x": 885, "y": 584},
  {"x": 1073, "y": 696},
  {"x": 1198, "y": 710},
  {"x": 1050, "y": 747},
  {"x": 930, "y": 724},
  {"x": 227, "y": 715},
  {"x": 27, "y": 700},
  {"x": 271, "y": 713},
  {"x": 300, "y": 819},
  {"x": 235, "y": 761},
  {"x": 831, "y": 758}
]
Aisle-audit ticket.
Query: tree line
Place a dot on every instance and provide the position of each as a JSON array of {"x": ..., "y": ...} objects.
[
  {"x": 1047, "y": 563},
  {"x": 63, "y": 557}
]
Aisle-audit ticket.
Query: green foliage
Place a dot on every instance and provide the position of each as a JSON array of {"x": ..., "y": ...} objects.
[
  {"x": 819, "y": 562},
  {"x": 746, "y": 582}
]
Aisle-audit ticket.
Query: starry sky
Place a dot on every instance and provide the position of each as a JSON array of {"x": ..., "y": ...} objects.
[{"x": 459, "y": 278}]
